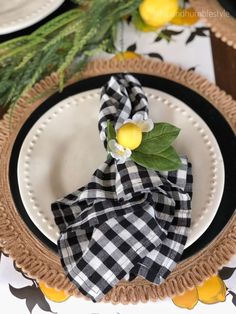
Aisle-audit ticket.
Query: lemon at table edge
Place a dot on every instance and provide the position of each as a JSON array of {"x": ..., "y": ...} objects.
[
  {"x": 187, "y": 300},
  {"x": 157, "y": 13},
  {"x": 186, "y": 16},
  {"x": 127, "y": 55},
  {"x": 52, "y": 293},
  {"x": 213, "y": 290},
  {"x": 140, "y": 24}
]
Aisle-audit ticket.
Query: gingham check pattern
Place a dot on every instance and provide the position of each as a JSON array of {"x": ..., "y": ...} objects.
[{"x": 127, "y": 221}]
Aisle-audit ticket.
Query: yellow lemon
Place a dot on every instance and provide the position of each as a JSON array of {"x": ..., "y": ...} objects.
[
  {"x": 129, "y": 136},
  {"x": 185, "y": 17},
  {"x": 126, "y": 55},
  {"x": 140, "y": 25},
  {"x": 212, "y": 291},
  {"x": 187, "y": 300},
  {"x": 157, "y": 13},
  {"x": 53, "y": 294}
]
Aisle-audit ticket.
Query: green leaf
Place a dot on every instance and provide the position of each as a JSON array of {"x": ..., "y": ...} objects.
[
  {"x": 159, "y": 139},
  {"x": 166, "y": 160},
  {"x": 111, "y": 133},
  {"x": 132, "y": 47}
]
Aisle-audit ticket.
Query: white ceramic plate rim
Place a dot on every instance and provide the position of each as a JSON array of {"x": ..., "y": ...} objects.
[
  {"x": 47, "y": 227},
  {"x": 22, "y": 21}
]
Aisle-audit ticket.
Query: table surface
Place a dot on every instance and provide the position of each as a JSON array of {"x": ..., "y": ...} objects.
[{"x": 224, "y": 58}]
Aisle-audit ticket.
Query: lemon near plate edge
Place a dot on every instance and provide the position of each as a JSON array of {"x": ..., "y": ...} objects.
[
  {"x": 52, "y": 293},
  {"x": 157, "y": 13}
]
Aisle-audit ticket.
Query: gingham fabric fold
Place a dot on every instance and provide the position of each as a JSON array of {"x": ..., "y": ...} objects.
[{"x": 127, "y": 221}]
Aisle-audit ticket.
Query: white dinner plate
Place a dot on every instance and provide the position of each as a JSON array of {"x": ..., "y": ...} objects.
[
  {"x": 18, "y": 14},
  {"x": 63, "y": 149}
]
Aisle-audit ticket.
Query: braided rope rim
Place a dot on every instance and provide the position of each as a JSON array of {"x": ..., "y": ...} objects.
[
  {"x": 40, "y": 263},
  {"x": 221, "y": 25}
]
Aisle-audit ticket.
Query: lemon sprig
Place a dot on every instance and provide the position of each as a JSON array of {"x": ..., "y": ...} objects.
[{"x": 153, "y": 150}]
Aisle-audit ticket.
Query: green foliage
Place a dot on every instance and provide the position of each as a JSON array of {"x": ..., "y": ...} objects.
[
  {"x": 159, "y": 139},
  {"x": 63, "y": 45},
  {"x": 155, "y": 151},
  {"x": 111, "y": 133},
  {"x": 163, "y": 161}
]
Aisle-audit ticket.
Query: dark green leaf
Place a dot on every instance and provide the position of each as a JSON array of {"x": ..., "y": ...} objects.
[
  {"x": 156, "y": 55},
  {"x": 20, "y": 293},
  {"x": 202, "y": 34},
  {"x": 33, "y": 296},
  {"x": 163, "y": 36},
  {"x": 159, "y": 139},
  {"x": 192, "y": 69},
  {"x": 167, "y": 34},
  {"x": 226, "y": 272},
  {"x": 203, "y": 28},
  {"x": 170, "y": 32},
  {"x": 191, "y": 37},
  {"x": 233, "y": 297},
  {"x": 166, "y": 160},
  {"x": 111, "y": 133},
  {"x": 159, "y": 38},
  {"x": 132, "y": 47}
]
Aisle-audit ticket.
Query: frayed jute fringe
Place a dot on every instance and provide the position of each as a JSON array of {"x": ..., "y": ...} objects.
[
  {"x": 223, "y": 25},
  {"x": 40, "y": 263}
]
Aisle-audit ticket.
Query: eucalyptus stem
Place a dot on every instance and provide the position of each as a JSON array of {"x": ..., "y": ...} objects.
[{"x": 63, "y": 45}]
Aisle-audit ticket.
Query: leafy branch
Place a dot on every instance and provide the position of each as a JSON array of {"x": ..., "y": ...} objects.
[
  {"x": 155, "y": 151},
  {"x": 63, "y": 45}
]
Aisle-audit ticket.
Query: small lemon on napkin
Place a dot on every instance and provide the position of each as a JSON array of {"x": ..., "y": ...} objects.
[
  {"x": 129, "y": 136},
  {"x": 157, "y": 13}
]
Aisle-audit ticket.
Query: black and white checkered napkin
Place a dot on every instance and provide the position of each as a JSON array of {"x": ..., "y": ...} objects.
[{"x": 127, "y": 221}]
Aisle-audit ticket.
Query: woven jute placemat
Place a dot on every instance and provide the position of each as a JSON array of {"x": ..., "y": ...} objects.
[
  {"x": 39, "y": 262},
  {"x": 222, "y": 24}
]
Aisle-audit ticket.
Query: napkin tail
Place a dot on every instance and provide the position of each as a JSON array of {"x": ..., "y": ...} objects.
[
  {"x": 113, "y": 250},
  {"x": 161, "y": 261}
]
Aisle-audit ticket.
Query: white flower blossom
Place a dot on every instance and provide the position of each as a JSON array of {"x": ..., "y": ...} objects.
[
  {"x": 118, "y": 152},
  {"x": 141, "y": 120}
]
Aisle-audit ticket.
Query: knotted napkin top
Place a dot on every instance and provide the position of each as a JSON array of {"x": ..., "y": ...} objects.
[{"x": 128, "y": 220}]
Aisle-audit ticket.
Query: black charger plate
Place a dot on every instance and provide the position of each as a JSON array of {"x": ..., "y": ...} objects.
[
  {"x": 229, "y": 5},
  {"x": 216, "y": 122}
]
